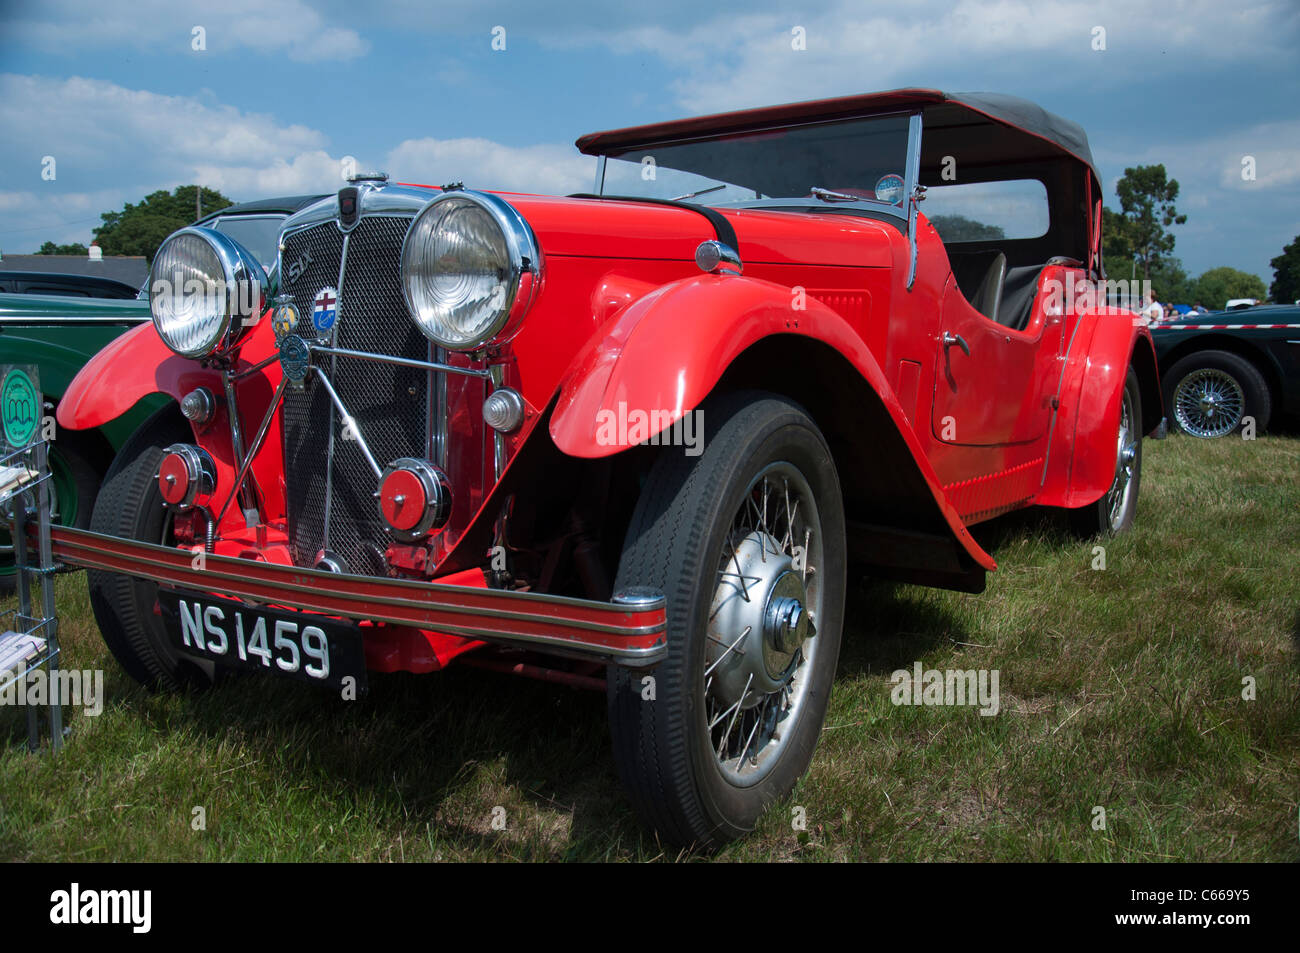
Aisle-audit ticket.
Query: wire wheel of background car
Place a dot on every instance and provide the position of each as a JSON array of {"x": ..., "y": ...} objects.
[
  {"x": 746, "y": 541},
  {"x": 1209, "y": 394},
  {"x": 130, "y": 506},
  {"x": 74, "y": 471},
  {"x": 1115, "y": 511}
]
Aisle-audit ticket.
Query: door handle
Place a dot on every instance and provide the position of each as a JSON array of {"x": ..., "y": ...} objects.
[{"x": 950, "y": 339}]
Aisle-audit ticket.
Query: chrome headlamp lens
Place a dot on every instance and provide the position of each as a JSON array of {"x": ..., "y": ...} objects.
[
  {"x": 470, "y": 266},
  {"x": 205, "y": 290}
]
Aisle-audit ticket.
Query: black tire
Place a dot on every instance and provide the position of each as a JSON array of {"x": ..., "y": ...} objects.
[
  {"x": 684, "y": 521},
  {"x": 130, "y": 506},
  {"x": 76, "y": 462},
  {"x": 1209, "y": 394},
  {"x": 1111, "y": 515}
]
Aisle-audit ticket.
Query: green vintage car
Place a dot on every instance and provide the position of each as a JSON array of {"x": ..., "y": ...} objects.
[{"x": 59, "y": 334}]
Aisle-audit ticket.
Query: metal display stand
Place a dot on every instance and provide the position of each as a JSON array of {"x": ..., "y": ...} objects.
[{"x": 30, "y": 642}]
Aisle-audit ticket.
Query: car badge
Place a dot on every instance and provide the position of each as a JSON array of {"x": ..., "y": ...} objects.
[
  {"x": 295, "y": 359},
  {"x": 324, "y": 310},
  {"x": 285, "y": 318},
  {"x": 297, "y": 268}
]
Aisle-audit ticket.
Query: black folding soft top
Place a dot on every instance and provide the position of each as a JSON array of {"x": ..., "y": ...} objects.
[{"x": 945, "y": 113}]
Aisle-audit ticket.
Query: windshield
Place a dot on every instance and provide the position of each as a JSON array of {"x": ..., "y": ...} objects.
[
  {"x": 815, "y": 164},
  {"x": 260, "y": 234}
]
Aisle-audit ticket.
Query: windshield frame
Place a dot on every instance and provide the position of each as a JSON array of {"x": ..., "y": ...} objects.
[{"x": 904, "y": 211}]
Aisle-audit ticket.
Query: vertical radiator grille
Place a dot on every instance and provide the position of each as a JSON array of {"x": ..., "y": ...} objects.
[{"x": 329, "y": 482}]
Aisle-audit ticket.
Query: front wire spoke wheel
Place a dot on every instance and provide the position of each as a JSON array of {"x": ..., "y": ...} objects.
[
  {"x": 761, "y": 640},
  {"x": 747, "y": 542}
]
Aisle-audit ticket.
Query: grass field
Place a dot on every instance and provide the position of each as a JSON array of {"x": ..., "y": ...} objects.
[{"x": 1120, "y": 688}]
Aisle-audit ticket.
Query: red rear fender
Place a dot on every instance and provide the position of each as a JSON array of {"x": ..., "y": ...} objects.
[{"x": 1081, "y": 466}]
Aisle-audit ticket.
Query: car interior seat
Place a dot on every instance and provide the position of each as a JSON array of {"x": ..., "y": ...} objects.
[
  {"x": 979, "y": 276},
  {"x": 1019, "y": 289}
]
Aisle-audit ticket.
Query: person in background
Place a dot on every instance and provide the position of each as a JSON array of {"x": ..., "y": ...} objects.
[{"x": 1152, "y": 311}]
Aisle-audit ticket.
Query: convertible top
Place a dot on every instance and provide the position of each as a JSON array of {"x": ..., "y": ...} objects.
[{"x": 957, "y": 117}]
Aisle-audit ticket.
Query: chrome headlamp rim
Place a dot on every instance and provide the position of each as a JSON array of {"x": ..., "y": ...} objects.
[
  {"x": 523, "y": 265},
  {"x": 238, "y": 266}
]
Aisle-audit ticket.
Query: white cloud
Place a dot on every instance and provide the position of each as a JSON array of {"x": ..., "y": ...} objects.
[
  {"x": 734, "y": 60},
  {"x": 61, "y": 26},
  {"x": 481, "y": 163},
  {"x": 89, "y": 124},
  {"x": 114, "y": 145},
  {"x": 61, "y": 218},
  {"x": 1230, "y": 220}
]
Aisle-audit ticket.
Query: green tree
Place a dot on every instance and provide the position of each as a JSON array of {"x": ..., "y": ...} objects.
[
  {"x": 1170, "y": 282},
  {"x": 140, "y": 229},
  {"x": 959, "y": 228},
  {"x": 1286, "y": 274},
  {"x": 1146, "y": 199},
  {"x": 76, "y": 248},
  {"x": 1218, "y": 285},
  {"x": 1116, "y": 244}
]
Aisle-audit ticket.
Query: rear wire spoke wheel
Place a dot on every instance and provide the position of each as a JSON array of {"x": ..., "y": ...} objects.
[
  {"x": 1115, "y": 511},
  {"x": 1120, "y": 496},
  {"x": 746, "y": 541}
]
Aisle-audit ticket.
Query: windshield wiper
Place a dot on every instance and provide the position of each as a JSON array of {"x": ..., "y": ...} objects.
[
  {"x": 826, "y": 195},
  {"x": 691, "y": 195}
]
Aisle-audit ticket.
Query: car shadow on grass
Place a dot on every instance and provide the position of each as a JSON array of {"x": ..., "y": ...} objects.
[
  {"x": 422, "y": 763},
  {"x": 889, "y": 626},
  {"x": 440, "y": 756}
]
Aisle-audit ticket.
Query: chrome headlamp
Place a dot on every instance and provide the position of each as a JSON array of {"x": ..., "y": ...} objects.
[
  {"x": 205, "y": 290},
  {"x": 470, "y": 269}
]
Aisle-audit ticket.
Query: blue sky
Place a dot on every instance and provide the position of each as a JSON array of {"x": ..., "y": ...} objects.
[{"x": 285, "y": 90}]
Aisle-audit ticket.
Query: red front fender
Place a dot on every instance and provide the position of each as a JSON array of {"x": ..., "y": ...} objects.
[
  {"x": 665, "y": 353},
  {"x": 138, "y": 364},
  {"x": 132, "y": 366}
]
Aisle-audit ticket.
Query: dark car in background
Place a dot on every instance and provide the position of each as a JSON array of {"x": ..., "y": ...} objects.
[
  {"x": 59, "y": 333},
  {"x": 1219, "y": 369},
  {"x": 65, "y": 285},
  {"x": 256, "y": 225}
]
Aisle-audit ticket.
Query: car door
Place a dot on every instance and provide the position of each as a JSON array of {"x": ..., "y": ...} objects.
[{"x": 993, "y": 384}]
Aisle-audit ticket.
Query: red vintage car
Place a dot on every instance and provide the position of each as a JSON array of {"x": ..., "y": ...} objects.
[{"x": 634, "y": 439}]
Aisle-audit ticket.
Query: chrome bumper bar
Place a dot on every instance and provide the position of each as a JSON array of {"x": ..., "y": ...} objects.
[{"x": 630, "y": 631}]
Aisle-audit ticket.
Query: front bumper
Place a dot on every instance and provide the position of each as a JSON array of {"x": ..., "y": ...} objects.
[{"x": 630, "y": 633}]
